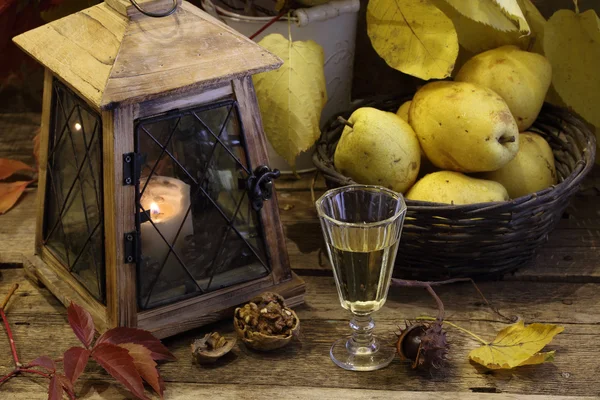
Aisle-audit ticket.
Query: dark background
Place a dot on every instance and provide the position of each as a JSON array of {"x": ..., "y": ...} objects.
[{"x": 21, "y": 78}]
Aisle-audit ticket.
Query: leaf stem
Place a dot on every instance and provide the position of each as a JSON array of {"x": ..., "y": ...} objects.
[
  {"x": 34, "y": 371},
  {"x": 11, "y": 340},
  {"x": 460, "y": 328},
  {"x": 268, "y": 24},
  {"x": 12, "y": 290}
]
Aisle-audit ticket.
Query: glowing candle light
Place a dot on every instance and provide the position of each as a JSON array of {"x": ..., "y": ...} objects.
[
  {"x": 77, "y": 126},
  {"x": 168, "y": 200}
]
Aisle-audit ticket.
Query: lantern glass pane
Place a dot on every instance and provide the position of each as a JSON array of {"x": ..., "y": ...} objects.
[
  {"x": 198, "y": 230},
  {"x": 73, "y": 224}
]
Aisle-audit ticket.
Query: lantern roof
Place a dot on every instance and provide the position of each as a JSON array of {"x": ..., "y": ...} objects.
[{"x": 110, "y": 55}]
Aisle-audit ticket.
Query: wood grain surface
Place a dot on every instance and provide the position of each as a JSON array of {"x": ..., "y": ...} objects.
[{"x": 562, "y": 286}]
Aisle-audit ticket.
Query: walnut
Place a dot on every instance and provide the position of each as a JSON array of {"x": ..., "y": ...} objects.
[
  {"x": 265, "y": 323},
  {"x": 211, "y": 347}
]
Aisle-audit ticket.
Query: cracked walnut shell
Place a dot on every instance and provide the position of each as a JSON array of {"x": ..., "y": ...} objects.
[{"x": 265, "y": 323}]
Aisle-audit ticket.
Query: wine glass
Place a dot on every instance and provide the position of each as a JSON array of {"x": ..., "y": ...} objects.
[{"x": 362, "y": 226}]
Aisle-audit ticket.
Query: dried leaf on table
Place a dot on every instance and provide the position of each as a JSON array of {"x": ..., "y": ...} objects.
[
  {"x": 513, "y": 11},
  {"x": 517, "y": 345},
  {"x": 145, "y": 365},
  {"x": 486, "y": 12},
  {"x": 572, "y": 45},
  {"x": 74, "y": 361},
  {"x": 9, "y": 167},
  {"x": 117, "y": 362},
  {"x": 291, "y": 98},
  {"x": 82, "y": 323},
  {"x": 138, "y": 336},
  {"x": 414, "y": 37},
  {"x": 10, "y": 193}
]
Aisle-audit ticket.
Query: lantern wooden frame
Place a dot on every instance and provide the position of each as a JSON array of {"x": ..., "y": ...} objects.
[{"x": 121, "y": 98}]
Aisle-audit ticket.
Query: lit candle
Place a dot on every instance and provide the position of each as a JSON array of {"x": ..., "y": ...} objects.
[{"x": 167, "y": 200}]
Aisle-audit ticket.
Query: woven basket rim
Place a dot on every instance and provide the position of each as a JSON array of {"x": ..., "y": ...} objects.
[{"x": 583, "y": 166}]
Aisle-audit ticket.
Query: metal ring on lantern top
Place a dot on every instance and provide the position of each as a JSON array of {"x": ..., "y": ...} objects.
[{"x": 155, "y": 15}]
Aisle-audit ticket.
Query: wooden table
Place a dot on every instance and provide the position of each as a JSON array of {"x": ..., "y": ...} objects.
[{"x": 562, "y": 287}]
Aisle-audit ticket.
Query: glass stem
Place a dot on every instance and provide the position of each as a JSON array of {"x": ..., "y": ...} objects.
[{"x": 362, "y": 341}]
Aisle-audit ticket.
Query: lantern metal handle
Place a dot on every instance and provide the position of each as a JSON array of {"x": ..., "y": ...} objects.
[
  {"x": 260, "y": 185},
  {"x": 155, "y": 15}
]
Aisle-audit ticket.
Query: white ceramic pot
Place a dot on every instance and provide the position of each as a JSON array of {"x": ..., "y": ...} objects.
[{"x": 333, "y": 26}]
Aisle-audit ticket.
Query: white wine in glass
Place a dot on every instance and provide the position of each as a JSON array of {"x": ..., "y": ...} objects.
[{"x": 362, "y": 226}]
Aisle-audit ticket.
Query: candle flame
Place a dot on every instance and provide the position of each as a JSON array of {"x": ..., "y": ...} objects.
[
  {"x": 154, "y": 209},
  {"x": 77, "y": 126}
]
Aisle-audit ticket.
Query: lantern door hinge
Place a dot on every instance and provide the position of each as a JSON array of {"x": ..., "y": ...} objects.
[
  {"x": 131, "y": 247},
  {"x": 132, "y": 167}
]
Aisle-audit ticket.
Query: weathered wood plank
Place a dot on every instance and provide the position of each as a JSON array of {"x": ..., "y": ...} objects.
[
  {"x": 16, "y": 134},
  {"x": 307, "y": 364},
  {"x": 33, "y": 389},
  {"x": 541, "y": 301},
  {"x": 17, "y": 229}
]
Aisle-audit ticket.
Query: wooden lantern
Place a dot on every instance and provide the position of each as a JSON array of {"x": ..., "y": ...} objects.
[{"x": 155, "y": 206}]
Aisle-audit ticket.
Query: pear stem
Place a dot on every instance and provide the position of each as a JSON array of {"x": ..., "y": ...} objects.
[
  {"x": 509, "y": 139},
  {"x": 345, "y": 122}
]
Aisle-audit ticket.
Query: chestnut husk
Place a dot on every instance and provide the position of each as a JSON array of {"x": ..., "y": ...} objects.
[{"x": 425, "y": 344}]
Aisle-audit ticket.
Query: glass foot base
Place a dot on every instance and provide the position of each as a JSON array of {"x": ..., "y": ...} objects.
[{"x": 361, "y": 358}]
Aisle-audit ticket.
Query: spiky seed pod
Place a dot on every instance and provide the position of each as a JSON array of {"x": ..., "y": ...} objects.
[{"x": 425, "y": 344}]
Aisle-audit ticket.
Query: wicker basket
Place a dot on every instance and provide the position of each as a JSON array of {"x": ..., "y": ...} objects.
[{"x": 485, "y": 240}]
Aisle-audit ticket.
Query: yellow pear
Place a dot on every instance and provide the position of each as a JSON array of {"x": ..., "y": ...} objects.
[
  {"x": 378, "y": 148},
  {"x": 403, "y": 110},
  {"x": 455, "y": 188},
  {"x": 530, "y": 171},
  {"x": 521, "y": 78},
  {"x": 463, "y": 127}
]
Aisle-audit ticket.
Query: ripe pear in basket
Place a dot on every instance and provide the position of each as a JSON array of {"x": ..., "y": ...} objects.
[{"x": 484, "y": 239}]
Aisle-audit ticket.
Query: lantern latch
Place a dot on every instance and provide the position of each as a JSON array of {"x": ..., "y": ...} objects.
[
  {"x": 130, "y": 248},
  {"x": 132, "y": 166},
  {"x": 260, "y": 185}
]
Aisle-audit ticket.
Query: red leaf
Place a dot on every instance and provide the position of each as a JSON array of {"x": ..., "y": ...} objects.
[
  {"x": 9, "y": 167},
  {"x": 74, "y": 361},
  {"x": 44, "y": 362},
  {"x": 66, "y": 384},
  {"x": 55, "y": 390},
  {"x": 117, "y": 362},
  {"x": 137, "y": 336},
  {"x": 146, "y": 366},
  {"x": 10, "y": 193},
  {"x": 82, "y": 324}
]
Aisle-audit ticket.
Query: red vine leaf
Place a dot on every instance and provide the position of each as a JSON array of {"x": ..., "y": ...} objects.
[
  {"x": 44, "y": 362},
  {"x": 74, "y": 361},
  {"x": 9, "y": 167},
  {"x": 146, "y": 366},
  {"x": 10, "y": 193},
  {"x": 66, "y": 384},
  {"x": 117, "y": 362},
  {"x": 82, "y": 324},
  {"x": 55, "y": 390},
  {"x": 137, "y": 336}
]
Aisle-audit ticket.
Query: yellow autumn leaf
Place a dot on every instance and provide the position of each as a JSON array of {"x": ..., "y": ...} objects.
[
  {"x": 513, "y": 11},
  {"x": 414, "y": 37},
  {"x": 537, "y": 23},
  {"x": 291, "y": 98},
  {"x": 517, "y": 345},
  {"x": 477, "y": 37},
  {"x": 484, "y": 11},
  {"x": 572, "y": 45}
]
